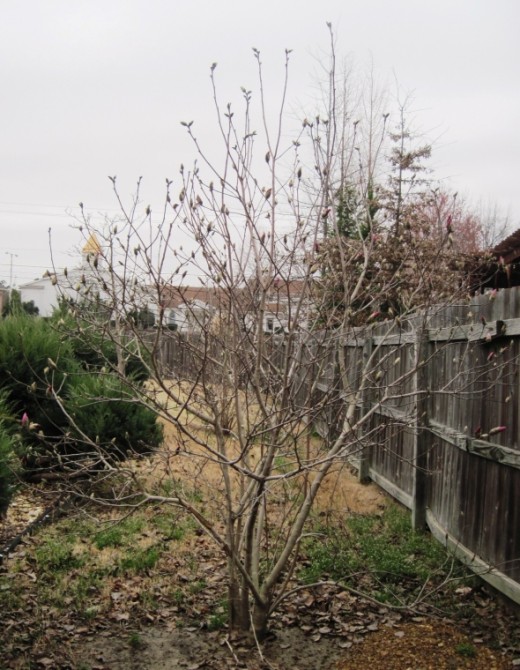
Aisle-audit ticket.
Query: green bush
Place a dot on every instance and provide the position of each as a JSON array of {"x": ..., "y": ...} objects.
[
  {"x": 14, "y": 306},
  {"x": 37, "y": 362},
  {"x": 92, "y": 344},
  {"x": 98, "y": 351},
  {"x": 9, "y": 447},
  {"x": 34, "y": 360},
  {"x": 105, "y": 409},
  {"x": 8, "y": 466}
]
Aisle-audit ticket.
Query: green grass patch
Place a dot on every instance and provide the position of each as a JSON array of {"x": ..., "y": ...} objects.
[
  {"x": 139, "y": 561},
  {"x": 57, "y": 555},
  {"x": 75, "y": 560},
  {"x": 170, "y": 527},
  {"x": 119, "y": 534},
  {"x": 380, "y": 554}
]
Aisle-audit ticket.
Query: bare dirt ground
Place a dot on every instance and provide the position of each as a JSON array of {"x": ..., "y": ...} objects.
[{"x": 434, "y": 645}]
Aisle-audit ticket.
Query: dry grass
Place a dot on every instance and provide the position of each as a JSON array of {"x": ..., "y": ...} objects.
[{"x": 189, "y": 459}]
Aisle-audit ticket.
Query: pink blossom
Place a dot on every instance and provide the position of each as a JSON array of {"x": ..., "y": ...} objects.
[
  {"x": 497, "y": 429},
  {"x": 25, "y": 419}
]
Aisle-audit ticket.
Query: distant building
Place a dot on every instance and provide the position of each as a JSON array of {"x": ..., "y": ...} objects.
[
  {"x": 191, "y": 308},
  {"x": 500, "y": 266},
  {"x": 184, "y": 308},
  {"x": 47, "y": 291},
  {"x": 507, "y": 266}
]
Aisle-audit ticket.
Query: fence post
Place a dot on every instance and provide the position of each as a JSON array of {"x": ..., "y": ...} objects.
[
  {"x": 366, "y": 403},
  {"x": 420, "y": 432}
]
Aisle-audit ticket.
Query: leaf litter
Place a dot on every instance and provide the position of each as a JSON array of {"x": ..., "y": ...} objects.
[{"x": 171, "y": 614}]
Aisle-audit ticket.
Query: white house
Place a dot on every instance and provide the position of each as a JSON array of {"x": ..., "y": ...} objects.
[
  {"x": 47, "y": 291},
  {"x": 186, "y": 309}
]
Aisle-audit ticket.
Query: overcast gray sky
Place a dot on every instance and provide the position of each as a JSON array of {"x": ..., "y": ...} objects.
[{"x": 91, "y": 88}]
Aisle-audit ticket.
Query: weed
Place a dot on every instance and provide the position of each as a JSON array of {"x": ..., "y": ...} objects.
[
  {"x": 282, "y": 464},
  {"x": 111, "y": 537},
  {"x": 84, "y": 585},
  {"x": 136, "y": 641},
  {"x": 176, "y": 534},
  {"x": 217, "y": 621},
  {"x": 178, "y": 596},
  {"x": 54, "y": 594},
  {"x": 90, "y": 613},
  {"x": 192, "y": 563},
  {"x": 172, "y": 487},
  {"x": 220, "y": 616},
  {"x": 195, "y": 496},
  {"x": 148, "y": 601},
  {"x": 466, "y": 649},
  {"x": 167, "y": 487},
  {"x": 198, "y": 586},
  {"x": 10, "y": 595},
  {"x": 169, "y": 527}
]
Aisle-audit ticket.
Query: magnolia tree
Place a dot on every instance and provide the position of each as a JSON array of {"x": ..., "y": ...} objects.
[{"x": 239, "y": 384}]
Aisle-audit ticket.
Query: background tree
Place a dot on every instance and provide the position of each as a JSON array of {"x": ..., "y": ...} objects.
[
  {"x": 412, "y": 225},
  {"x": 407, "y": 182},
  {"x": 14, "y": 305}
]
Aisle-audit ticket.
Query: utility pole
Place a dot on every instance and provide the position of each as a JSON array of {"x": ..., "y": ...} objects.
[{"x": 11, "y": 272}]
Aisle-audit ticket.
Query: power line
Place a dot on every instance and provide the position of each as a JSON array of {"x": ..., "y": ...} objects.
[
  {"x": 64, "y": 215},
  {"x": 46, "y": 214},
  {"x": 31, "y": 204}
]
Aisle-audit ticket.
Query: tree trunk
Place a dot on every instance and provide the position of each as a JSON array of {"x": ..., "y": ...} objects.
[
  {"x": 238, "y": 598},
  {"x": 260, "y": 619}
]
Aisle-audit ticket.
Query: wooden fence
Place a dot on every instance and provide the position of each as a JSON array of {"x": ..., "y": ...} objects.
[
  {"x": 447, "y": 444},
  {"x": 446, "y": 440}
]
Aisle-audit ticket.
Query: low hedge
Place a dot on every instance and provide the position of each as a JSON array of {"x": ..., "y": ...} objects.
[{"x": 38, "y": 363}]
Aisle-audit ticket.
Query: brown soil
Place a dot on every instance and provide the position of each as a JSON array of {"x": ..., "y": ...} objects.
[{"x": 427, "y": 645}]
